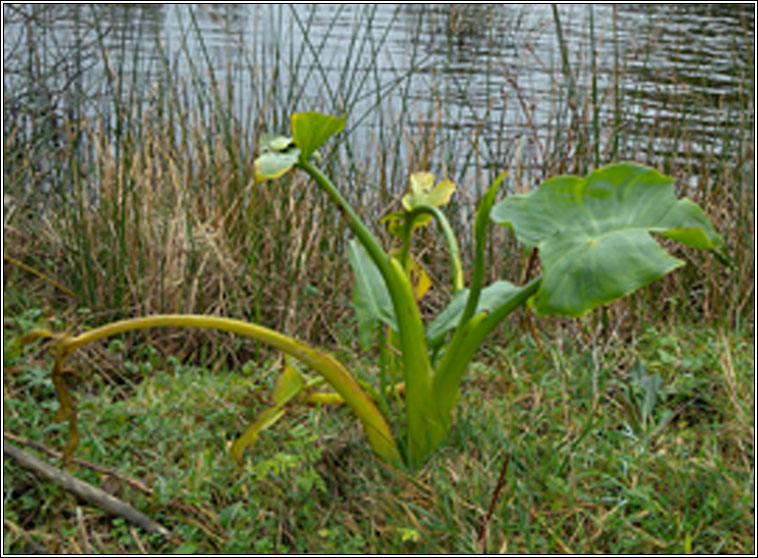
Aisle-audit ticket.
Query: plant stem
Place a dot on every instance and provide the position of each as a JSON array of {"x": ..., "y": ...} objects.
[
  {"x": 495, "y": 495},
  {"x": 466, "y": 341},
  {"x": 376, "y": 427},
  {"x": 425, "y": 430},
  {"x": 456, "y": 267},
  {"x": 480, "y": 237}
]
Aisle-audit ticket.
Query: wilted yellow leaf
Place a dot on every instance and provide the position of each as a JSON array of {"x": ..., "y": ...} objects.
[
  {"x": 420, "y": 280},
  {"x": 423, "y": 191}
]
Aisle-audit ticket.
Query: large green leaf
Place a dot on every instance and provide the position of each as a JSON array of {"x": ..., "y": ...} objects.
[{"x": 593, "y": 234}]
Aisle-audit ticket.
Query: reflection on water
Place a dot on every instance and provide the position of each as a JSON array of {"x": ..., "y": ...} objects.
[{"x": 493, "y": 70}]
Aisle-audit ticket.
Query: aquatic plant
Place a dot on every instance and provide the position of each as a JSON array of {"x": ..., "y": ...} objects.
[{"x": 593, "y": 235}]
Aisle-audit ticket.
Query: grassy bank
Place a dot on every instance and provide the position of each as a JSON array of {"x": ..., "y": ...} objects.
[{"x": 592, "y": 469}]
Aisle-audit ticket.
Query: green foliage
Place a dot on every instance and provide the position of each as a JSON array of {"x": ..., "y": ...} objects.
[
  {"x": 610, "y": 497},
  {"x": 310, "y": 130},
  {"x": 643, "y": 392},
  {"x": 593, "y": 234},
  {"x": 371, "y": 299},
  {"x": 288, "y": 386},
  {"x": 593, "y": 238},
  {"x": 492, "y": 297},
  {"x": 579, "y": 476},
  {"x": 278, "y": 155}
]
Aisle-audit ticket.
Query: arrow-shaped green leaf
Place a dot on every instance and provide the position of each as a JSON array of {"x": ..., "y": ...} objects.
[
  {"x": 593, "y": 234},
  {"x": 311, "y": 129}
]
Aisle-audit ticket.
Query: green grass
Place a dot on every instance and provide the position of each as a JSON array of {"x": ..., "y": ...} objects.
[{"x": 583, "y": 474}]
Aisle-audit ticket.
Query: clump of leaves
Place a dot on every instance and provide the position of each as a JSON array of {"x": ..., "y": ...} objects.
[{"x": 594, "y": 237}]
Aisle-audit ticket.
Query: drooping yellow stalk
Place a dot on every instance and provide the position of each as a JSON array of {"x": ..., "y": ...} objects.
[
  {"x": 328, "y": 398},
  {"x": 376, "y": 427}
]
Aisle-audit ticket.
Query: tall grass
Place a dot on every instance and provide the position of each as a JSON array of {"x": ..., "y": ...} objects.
[
  {"x": 136, "y": 192},
  {"x": 155, "y": 207}
]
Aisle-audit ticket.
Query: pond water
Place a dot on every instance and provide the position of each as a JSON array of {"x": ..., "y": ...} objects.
[{"x": 494, "y": 73}]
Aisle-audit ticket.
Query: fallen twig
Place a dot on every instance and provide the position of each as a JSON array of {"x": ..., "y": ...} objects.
[
  {"x": 495, "y": 494},
  {"x": 83, "y": 490},
  {"x": 134, "y": 483}
]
